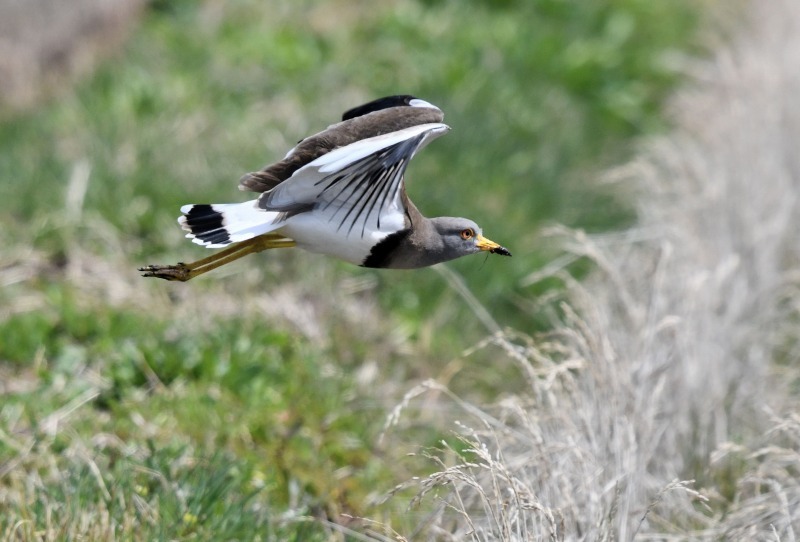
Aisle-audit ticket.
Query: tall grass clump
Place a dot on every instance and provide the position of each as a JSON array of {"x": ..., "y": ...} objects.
[{"x": 663, "y": 403}]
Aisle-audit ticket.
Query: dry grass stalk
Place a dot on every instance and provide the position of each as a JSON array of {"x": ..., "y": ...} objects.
[{"x": 676, "y": 347}]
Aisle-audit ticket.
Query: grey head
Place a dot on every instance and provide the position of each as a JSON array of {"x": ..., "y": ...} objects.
[
  {"x": 432, "y": 241},
  {"x": 461, "y": 237}
]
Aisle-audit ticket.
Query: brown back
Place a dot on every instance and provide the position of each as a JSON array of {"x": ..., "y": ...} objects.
[{"x": 338, "y": 135}]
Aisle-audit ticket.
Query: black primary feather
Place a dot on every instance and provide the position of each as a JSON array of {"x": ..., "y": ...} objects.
[{"x": 376, "y": 105}]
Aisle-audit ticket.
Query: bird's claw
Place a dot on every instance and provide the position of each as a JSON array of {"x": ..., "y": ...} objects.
[{"x": 180, "y": 272}]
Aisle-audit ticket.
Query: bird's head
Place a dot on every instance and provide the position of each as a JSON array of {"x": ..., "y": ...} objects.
[{"x": 461, "y": 236}]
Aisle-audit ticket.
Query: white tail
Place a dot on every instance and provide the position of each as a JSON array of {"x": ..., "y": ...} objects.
[{"x": 220, "y": 224}]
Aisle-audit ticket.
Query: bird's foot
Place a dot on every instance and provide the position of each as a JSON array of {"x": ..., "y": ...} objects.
[
  {"x": 185, "y": 271},
  {"x": 180, "y": 271}
]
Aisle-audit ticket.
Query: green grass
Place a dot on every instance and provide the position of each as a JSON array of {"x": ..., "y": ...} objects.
[{"x": 210, "y": 410}]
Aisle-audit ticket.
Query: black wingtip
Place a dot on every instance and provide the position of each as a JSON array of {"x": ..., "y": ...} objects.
[{"x": 386, "y": 102}]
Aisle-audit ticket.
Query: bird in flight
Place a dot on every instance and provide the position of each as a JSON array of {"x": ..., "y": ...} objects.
[{"x": 340, "y": 192}]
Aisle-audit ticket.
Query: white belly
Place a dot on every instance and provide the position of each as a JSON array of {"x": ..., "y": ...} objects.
[{"x": 316, "y": 234}]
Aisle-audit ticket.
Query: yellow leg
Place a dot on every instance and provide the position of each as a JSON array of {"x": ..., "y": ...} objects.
[{"x": 185, "y": 271}]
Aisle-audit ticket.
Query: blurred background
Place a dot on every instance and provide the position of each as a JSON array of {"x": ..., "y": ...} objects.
[{"x": 256, "y": 395}]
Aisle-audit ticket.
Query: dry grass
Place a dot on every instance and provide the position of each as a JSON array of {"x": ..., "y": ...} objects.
[{"x": 664, "y": 404}]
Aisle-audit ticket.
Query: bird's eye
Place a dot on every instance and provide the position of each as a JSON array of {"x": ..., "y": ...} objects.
[{"x": 467, "y": 234}]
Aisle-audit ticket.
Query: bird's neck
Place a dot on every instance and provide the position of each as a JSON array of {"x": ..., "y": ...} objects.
[{"x": 423, "y": 229}]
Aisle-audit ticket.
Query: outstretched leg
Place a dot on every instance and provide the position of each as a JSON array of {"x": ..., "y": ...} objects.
[{"x": 185, "y": 271}]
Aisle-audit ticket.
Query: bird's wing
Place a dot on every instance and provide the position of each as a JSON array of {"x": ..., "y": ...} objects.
[
  {"x": 342, "y": 134},
  {"x": 358, "y": 187}
]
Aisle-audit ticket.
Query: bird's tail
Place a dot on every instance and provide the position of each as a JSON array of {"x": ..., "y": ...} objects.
[{"x": 221, "y": 224}]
